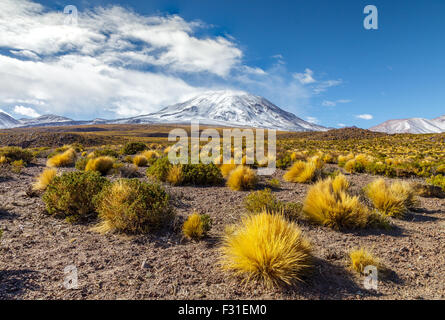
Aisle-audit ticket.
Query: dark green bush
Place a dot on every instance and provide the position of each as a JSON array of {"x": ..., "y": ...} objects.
[
  {"x": 16, "y": 154},
  {"x": 261, "y": 200},
  {"x": 133, "y": 148},
  {"x": 81, "y": 164},
  {"x": 159, "y": 169},
  {"x": 105, "y": 152},
  {"x": 201, "y": 174},
  {"x": 71, "y": 194}
]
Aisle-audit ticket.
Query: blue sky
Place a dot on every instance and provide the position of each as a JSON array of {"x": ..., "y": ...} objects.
[{"x": 313, "y": 58}]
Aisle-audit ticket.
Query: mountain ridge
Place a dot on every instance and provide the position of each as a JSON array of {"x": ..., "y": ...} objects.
[
  {"x": 224, "y": 107},
  {"x": 412, "y": 125}
]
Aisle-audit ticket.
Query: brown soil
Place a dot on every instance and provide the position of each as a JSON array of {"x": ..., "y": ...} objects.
[{"x": 36, "y": 248}]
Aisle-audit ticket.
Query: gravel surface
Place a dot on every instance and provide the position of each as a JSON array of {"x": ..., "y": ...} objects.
[{"x": 36, "y": 248}]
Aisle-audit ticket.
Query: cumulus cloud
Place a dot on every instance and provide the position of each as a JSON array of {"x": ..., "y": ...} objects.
[
  {"x": 26, "y": 111},
  {"x": 328, "y": 103},
  {"x": 313, "y": 120},
  {"x": 365, "y": 116},
  {"x": 117, "y": 63},
  {"x": 306, "y": 77}
]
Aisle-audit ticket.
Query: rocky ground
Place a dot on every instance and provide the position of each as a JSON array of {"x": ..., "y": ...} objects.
[{"x": 35, "y": 249}]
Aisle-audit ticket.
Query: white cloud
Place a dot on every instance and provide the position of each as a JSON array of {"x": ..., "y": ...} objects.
[
  {"x": 312, "y": 120},
  {"x": 328, "y": 103},
  {"x": 365, "y": 116},
  {"x": 324, "y": 85},
  {"x": 26, "y": 111},
  {"x": 341, "y": 125},
  {"x": 306, "y": 77},
  {"x": 118, "y": 63}
]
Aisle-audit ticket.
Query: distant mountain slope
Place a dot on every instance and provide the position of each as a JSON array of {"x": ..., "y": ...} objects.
[
  {"x": 226, "y": 108},
  {"x": 6, "y": 121},
  {"x": 412, "y": 125}
]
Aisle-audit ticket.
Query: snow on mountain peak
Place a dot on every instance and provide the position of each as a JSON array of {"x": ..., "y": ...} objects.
[{"x": 412, "y": 125}]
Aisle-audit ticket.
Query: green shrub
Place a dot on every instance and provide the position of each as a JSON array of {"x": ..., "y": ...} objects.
[
  {"x": 12, "y": 154},
  {"x": 105, "y": 152},
  {"x": 159, "y": 169},
  {"x": 261, "y": 200},
  {"x": 133, "y": 206},
  {"x": 70, "y": 195},
  {"x": 438, "y": 181},
  {"x": 81, "y": 164},
  {"x": 201, "y": 174},
  {"x": 133, "y": 147},
  {"x": 17, "y": 166}
]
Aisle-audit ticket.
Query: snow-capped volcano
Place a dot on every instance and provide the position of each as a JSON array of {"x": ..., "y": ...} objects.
[
  {"x": 220, "y": 108},
  {"x": 412, "y": 125},
  {"x": 228, "y": 108}
]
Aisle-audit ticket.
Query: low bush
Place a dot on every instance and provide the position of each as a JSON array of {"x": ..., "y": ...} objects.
[
  {"x": 261, "y": 200},
  {"x": 70, "y": 195},
  {"x": 11, "y": 154},
  {"x": 131, "y": 148},
  {"x": 197, "y": 226},
  {"x": 201, "y": 174},
  {"x": 17, "y": 166},
  {"x": 159, "y": 169},
  {"x": 81, "y": 163},
  {"x": 242, "y": 178},
  {"x": 266, "y": 247},
  {"x": 64, "y": 159},
  {"x": 438, "y": 180},
  {"x": 132, "y": 206}
]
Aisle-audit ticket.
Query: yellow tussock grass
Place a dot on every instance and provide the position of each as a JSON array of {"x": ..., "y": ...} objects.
[
  {"x": 301, "y": 172},
  {"x": 360, "y": 258},
  {"x": 64, "y": 159},
  {"x": 44, "y": 179},
  {"x": 100, "y": 164},
  {"x": 140, "y": 160},
  {"x": 393, "y": 199},
  {"x": 268, "y": 248},
  {"x": 174, "y": 175},
  {"x": 242, "y": 178},
  {"x": 328, "y": 203}
]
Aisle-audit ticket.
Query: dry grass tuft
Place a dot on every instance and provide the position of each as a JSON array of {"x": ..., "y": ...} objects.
[
  {"x": 360, "y": 258},
  {"x": 303, "y": 172},
  {"x": 100, "y": 164},
  {"x": 196, "y": 226},
  {"x": 175, "y": 176},
  {"x": 227, "y": 168},
  {"x": 64, "y": 159},
  {"x": 44, "y": 179},
  {"x": 140, "y": 161},
  {"x": 242, "y": 178},
  {"x": 393, "y": 199},
  {"x": 266, "y": 247},
  {"x": 328, "y": 203}
]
